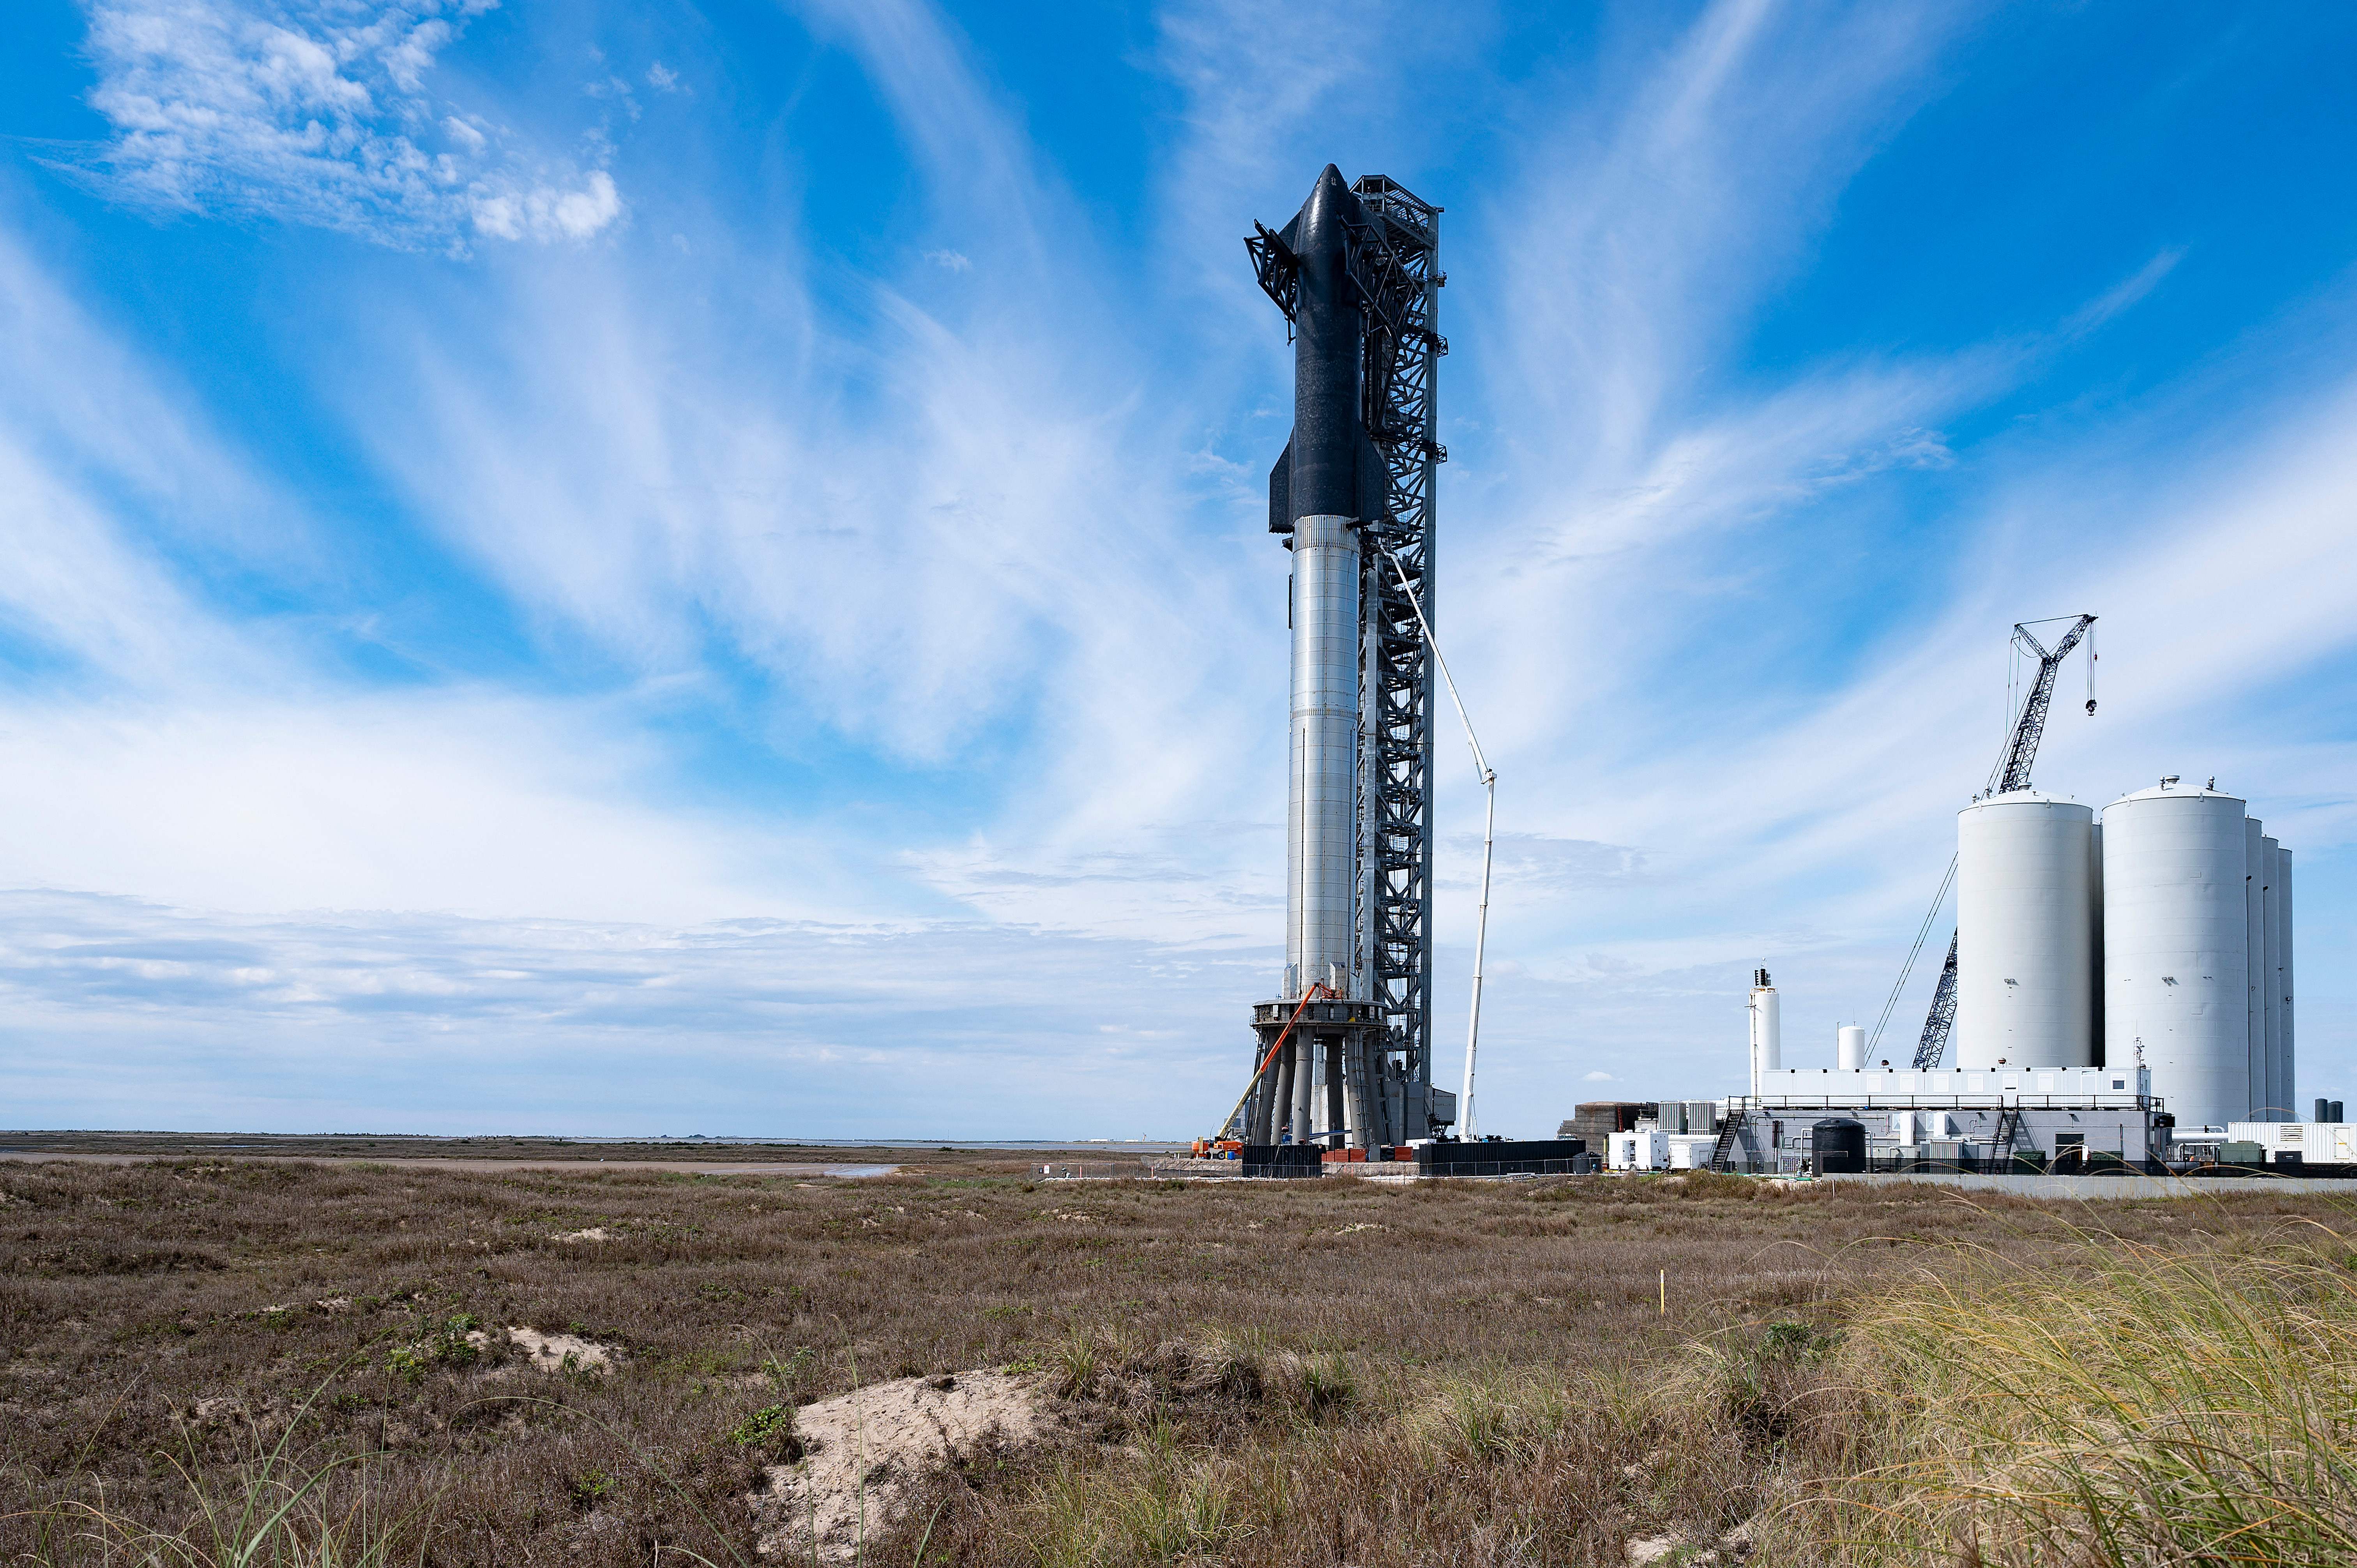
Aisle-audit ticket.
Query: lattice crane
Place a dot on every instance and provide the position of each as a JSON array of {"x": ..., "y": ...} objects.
[{"x": 2011, "y": 773}]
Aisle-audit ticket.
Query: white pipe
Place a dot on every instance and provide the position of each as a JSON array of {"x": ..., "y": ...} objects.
[
  {"x": 1481, "y": 937},
  {"x": 1488, "y": 823}
]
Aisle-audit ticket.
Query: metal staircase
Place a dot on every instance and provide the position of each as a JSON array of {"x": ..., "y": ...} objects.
[
  {"x": 2008, "y": 1131},
  {"x": 1722, "y": 1154}
]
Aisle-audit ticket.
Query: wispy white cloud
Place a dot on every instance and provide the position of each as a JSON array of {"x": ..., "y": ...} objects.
[
  {"x": 2126, "y": 293},
  {"x": 176, "y": 749},
  {"x": 318, "y": 112},
  {"x": 460, "y": 800},
  {"x": 950, "y": 529},
  {"x": 756, "y": 1026},
  {"x": 93, "y": 438}
]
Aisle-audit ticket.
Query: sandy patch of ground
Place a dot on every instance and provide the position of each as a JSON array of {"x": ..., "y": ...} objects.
[
  {"x": 865, "y": 1453},
  {"x": 594, "y": 1233},
  {"x": 1677, "y": 1552},
  {"x": 561, "y": 1352},
  {"x": 552, "y": 1352}
]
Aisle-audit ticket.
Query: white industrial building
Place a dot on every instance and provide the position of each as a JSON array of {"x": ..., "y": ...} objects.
[{"x": 1975, "y": 1118}]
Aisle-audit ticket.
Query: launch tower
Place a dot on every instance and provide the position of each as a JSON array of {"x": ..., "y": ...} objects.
[{"x": 1344, "y": 1052}]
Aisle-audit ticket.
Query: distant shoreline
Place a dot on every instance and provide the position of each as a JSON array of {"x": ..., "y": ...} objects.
[{"x": 761, "y": 1155}]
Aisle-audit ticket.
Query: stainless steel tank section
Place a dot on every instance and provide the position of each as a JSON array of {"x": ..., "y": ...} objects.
[
  {"x": 1321, "y": 838},
  {"x": 2025, "y": 932},
  {"x": 2177, "y": 949}
]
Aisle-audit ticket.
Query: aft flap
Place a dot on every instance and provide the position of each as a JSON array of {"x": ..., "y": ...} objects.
[{"x": 1280, "y": 491}]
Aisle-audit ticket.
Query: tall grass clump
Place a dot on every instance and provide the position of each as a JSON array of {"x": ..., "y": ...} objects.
[
  {"x": 1170, "y": 1507},
  {"x": 1489, "y": 1415},
  {"x": 271, "y": 1516},
  {"x": 2129, "y": 1406}
]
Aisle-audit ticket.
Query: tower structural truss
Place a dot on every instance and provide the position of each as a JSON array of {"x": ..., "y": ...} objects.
[{"x": 1356, "y": 276}]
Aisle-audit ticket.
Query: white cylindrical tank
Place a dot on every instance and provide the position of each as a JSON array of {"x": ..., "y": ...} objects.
[
  {"x": 2096, "y": 944},
  {"x": 2024, "y": 934},
  {"x": 2255, "y": 883},
  {"x": 2282, "y": 1086},
  {"x": 2176, "y": 949},
  {"x": 1849, "y": 1047},
  {"x": 1767, "y": 1037},
  {"x": 2265, "y": 959}
]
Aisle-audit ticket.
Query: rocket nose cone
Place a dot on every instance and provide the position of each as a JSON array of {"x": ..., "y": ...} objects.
[{"x": 1320, "y": 222}]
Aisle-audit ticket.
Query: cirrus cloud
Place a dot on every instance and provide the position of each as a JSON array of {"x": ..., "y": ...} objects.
[{"x": 318, "y": 112}]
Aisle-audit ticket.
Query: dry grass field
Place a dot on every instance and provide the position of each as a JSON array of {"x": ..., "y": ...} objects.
[{"x": 1271, "y": 1373}]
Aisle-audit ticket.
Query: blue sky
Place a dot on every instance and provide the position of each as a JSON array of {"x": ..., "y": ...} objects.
[{"x": 666, "y": 568}]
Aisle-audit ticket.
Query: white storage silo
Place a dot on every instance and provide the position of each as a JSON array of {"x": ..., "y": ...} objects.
[
  {"x": 1849, "y": 1047},
  {"x": 2256, "y": 881},
  {"x": 2025, "y": 933},
  {"x": 2282, "y": 1084},
  {"x": 2095, "y": 943},
  {"x": 2265, "y": 959},
  {"x": 2176, "y": 949}
]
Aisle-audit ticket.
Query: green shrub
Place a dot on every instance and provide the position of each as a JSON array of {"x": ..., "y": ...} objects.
[
  {"x": 589, "y": 1487},
  {"x": 769, "y": 1430},
  {"x": 450, "y": 1344}
]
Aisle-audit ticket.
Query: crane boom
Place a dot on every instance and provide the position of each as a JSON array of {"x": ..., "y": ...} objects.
[
  {"x": 2011, "y": 773},
  {"x": 1941, "y": 1019}
]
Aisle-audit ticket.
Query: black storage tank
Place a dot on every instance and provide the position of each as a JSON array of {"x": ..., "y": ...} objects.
[{"x": 1837, "y": 1146}]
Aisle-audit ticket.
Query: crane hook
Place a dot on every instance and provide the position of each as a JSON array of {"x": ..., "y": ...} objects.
[{"x": 2091, "y": 707}]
